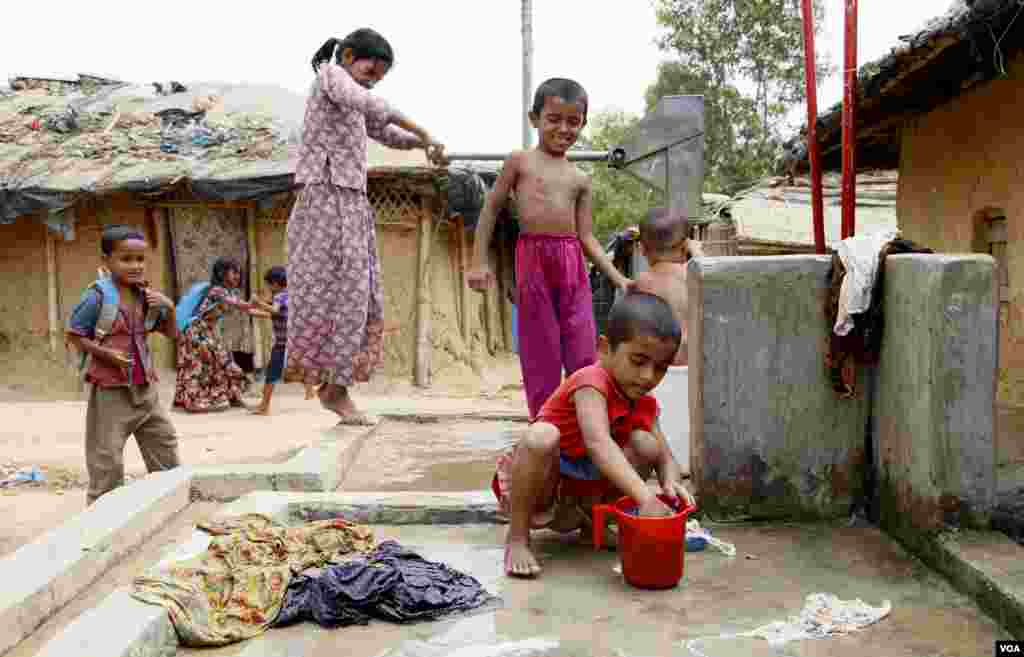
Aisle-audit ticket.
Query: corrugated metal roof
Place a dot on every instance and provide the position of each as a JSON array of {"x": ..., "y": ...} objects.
[{"x": 780, "y": 211}]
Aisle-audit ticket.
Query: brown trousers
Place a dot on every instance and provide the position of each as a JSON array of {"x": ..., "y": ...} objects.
[{"x": 113, "y": 415}]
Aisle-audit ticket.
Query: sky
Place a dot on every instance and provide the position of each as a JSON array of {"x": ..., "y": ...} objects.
[{"x": 458, "y": 69}]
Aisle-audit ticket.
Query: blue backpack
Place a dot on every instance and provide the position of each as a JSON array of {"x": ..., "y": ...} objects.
[
  {"x": 110, "y": 302},
  {"x": 189, "y": 304}
]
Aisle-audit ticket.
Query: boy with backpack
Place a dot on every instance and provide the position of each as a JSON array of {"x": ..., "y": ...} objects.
[{"x": 109, "y": 327}]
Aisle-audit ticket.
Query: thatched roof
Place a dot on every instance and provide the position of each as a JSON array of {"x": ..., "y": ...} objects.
[
  {"x": 969, "y": 45},
  {"x": 61, "y": 139}
]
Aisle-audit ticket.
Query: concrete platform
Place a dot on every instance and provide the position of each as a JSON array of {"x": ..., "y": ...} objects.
[
  {"x": 449, "y": 454},
  {"x": 320, "y": 467},
  {"x": 988, "y": 567},
  {"x": 42, "y": 577},
  {"x": 580, "y": 606}
]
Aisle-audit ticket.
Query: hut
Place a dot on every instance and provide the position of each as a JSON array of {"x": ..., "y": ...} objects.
[
  {"x": 207, "y": 170},
  {"x": 941, "y": 107},
  {"x": 771, "y": 218},
  {"x": 774, "y": 217}
]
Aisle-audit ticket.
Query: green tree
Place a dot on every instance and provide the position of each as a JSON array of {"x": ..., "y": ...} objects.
[
  {"x": 619, "y": 200},
  {"x": 746, "y": 58}
]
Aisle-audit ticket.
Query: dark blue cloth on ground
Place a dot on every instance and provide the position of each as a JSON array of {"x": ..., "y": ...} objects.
[{"x": 392, "y": 583}]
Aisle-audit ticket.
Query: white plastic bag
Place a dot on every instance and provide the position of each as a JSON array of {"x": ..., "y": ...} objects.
[{"x": 694, "y": 530}]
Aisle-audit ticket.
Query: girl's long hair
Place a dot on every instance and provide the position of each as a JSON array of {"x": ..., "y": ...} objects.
[{"x": 365, "y": 44}]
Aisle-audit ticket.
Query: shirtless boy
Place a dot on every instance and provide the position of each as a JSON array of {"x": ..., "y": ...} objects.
[
  {"x": 553, "y": 197},
  {"x": 600, "y": 426},
  {"x": 666, "y": 247}
]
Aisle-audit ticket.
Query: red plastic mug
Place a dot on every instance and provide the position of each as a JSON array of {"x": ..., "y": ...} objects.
[{"x": 651, "y": 549}]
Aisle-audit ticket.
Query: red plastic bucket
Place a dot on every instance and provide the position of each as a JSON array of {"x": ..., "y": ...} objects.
[{"x": 651, "y": 549}]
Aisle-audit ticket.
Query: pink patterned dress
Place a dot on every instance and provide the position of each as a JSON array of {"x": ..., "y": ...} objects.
[{"x": 336, "y": 314}]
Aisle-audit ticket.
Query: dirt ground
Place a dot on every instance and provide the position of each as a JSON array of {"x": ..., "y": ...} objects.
[{"x": 49, "y": 435}]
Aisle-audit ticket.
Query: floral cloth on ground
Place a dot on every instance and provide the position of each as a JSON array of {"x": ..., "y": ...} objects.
[{"x": 234, "y": 590}]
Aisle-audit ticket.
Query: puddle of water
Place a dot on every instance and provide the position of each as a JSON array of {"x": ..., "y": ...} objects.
[{"x": 444, "y": 456}]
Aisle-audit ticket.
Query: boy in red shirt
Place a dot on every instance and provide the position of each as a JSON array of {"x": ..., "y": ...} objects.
[{"x": 601, "y": 425}]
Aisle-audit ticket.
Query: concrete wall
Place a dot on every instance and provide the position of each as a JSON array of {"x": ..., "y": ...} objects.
[
  {"x": 959, "y": 162},
  {"x": 936, "y": 392},
  {"x": 769, "y": 437}
]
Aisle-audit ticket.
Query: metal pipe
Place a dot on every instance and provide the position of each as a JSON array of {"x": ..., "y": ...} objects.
[
  {"x": 527, "y": 72},
  {"x": 813, "y": 149},
  {"x": 850, "y": 121},
  {"x": 572, "y": 156}
]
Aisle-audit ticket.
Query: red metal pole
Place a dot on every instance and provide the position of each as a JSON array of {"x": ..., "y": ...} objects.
[
  {"x": 813, "y": 151},
  {"x": 850, "y": 121}
]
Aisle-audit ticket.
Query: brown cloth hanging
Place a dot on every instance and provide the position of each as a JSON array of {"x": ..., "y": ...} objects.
[{"x": 863, "y": 344}]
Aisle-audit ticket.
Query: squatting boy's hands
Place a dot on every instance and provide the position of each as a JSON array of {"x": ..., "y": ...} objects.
[
  {"x": 654, "y": 508},
  {"x": 678, "y": 491}
]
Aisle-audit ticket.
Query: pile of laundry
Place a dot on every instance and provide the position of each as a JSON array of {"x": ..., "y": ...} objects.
[
  {"x": 258, "y": 574},
  {"x": 854, "y": 304}
]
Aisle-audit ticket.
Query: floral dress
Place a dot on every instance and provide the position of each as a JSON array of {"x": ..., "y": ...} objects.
[
  {"x": 208, "y": 379},
  {"x": 335, "y": 325}
]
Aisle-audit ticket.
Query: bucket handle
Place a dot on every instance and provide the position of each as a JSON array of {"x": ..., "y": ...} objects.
[{"x": 598, "y": 523}]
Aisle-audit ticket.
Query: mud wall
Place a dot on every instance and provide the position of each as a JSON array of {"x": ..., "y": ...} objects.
[
  {"x": 24, "y": 346},
  {"x": 934, "y": 427},
  {"x": 24, "y": 324},
  {"x": 959, "y": 164},
  {"x": 24, "y": 312},
  {"x": 454, "y": 357},
  {"x": 769, "y": 438}
]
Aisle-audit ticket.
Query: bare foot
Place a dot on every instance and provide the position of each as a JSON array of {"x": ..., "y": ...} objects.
[
  {"x": 327, "y": 396},
  {"x": 260, "y": 410},
  {"x": 519, "y": 560},
  {"x": 335, "y": 398},
  {"x": 310, "y": 392}
]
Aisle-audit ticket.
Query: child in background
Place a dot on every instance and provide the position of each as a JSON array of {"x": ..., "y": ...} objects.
[
  {"x": 664, "y": 238},
  {"x": 600, "y": 425},
  {"x": 277, "y": 279},
  {"x": 555, "y": 311},
  {"x": 666, "y": 246}
]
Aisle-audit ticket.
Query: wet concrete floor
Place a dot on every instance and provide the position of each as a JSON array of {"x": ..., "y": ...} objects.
[
  {"x": 581, "y": 607},
  {"x": 435, "y": 456},
  {"x": 156, "y": 548}
]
